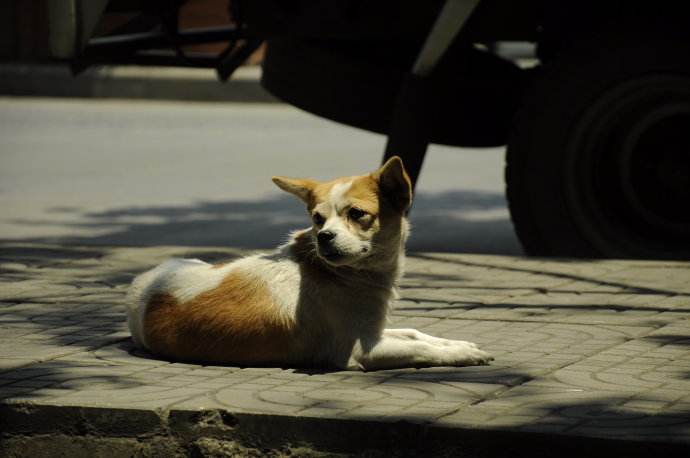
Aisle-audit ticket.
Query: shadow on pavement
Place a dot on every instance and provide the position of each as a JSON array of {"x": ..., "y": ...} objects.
[
  {"x": 462, "y": 221},
  {"x": 629, "y": 289}
]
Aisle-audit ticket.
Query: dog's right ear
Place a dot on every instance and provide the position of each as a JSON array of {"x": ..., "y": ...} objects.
[
  {"x": 395, "y": 183},
  {"x": 302, "y": 188}
]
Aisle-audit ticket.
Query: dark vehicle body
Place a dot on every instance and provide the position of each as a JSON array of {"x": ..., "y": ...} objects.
[{"x": 596, "y": 120}]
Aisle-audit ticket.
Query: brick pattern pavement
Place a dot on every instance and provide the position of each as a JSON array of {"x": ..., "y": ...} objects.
[{"x": 595, "y": 349}]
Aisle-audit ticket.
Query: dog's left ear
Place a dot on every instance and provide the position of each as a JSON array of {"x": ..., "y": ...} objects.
[
  {"x": 395, "y": 184},
  {"x": 302, "y": 188}
]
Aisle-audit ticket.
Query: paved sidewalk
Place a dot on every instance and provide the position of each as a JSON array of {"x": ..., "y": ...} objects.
[{"x": 591, "y": 356}]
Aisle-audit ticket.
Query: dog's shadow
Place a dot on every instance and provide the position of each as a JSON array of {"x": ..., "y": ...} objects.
[{"x": 474, "y": 374}]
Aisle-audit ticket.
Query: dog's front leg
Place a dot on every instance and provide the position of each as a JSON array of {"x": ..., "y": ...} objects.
[{"x": 395, "y": 349}]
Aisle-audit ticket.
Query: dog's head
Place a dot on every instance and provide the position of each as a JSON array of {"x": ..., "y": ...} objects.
[{"x": 357, "y": 220}]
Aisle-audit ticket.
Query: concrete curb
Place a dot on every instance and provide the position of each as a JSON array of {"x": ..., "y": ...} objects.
[
  {"x": 156, "y": 83},
  {"x": 92, "y": 431}
]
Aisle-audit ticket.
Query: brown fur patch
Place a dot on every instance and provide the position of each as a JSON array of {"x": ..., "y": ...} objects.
[
  {"x": 321, "y": 192},
  {"x": 364, "y": 194},
  {"x": 235, "y": 323}
]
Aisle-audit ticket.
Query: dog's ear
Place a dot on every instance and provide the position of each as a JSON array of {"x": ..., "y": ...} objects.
[
  {"x": 302, "y": 188},
  {"x": 395, "y": 184}
]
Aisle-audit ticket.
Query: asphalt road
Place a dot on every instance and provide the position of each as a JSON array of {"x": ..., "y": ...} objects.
[{"x": 157, "y": 173}]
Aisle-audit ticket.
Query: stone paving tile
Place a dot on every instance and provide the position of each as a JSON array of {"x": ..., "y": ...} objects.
[{"x": 585, "y": 348}]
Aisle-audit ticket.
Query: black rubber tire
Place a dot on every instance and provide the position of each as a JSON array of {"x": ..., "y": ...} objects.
[{"x": 566, "y": 166}]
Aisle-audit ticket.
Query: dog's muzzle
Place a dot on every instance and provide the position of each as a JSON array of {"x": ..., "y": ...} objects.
[
  {"x": 325, "y": 237},
  {"x": 327, "y": 248}
]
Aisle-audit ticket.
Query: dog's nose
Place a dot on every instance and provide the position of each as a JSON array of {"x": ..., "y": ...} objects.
[{"x": 325, "y": 236}]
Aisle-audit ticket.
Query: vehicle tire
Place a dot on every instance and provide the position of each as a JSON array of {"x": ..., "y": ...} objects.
[{"x": 598, "y": 161}]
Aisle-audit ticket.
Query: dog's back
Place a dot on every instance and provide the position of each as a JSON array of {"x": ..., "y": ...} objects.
[{"x": 241, "y": 312}]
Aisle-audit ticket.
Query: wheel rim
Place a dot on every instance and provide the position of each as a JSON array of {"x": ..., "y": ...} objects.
[{"x": 627, "y": 177}]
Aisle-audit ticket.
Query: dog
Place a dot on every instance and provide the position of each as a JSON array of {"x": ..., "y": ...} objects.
[{"x": 320, "y": 300}]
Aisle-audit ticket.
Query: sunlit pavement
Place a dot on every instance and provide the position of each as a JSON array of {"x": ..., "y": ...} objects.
[{"x": 592, "y": 359}]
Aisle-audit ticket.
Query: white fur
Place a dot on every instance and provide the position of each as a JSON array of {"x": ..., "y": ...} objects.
[
  {"x": 337, "y": 197},
  {"x": 409, "y": 347}
]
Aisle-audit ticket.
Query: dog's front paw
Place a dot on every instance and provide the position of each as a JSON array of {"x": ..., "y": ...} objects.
[
  {"x": 468, "y": 354},
  {"x": 481, "y": 358}
]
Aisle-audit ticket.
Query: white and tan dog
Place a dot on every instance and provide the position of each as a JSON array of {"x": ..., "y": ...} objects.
[{"x": 321, "y": 300}]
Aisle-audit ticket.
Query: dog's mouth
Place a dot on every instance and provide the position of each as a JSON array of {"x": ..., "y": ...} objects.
[{"x": 332, "y": 255}]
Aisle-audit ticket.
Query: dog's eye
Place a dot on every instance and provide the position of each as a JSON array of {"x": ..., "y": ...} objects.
[
  {"x": 318, "y": 219},
  {"x": 355, "y": 214}
]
